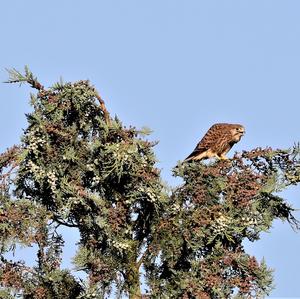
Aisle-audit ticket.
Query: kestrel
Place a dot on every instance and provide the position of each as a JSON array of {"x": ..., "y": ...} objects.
[{"x": 217, "y": 142}]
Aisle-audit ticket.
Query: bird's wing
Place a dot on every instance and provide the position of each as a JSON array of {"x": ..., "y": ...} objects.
[{"x": 206, "y": 142}]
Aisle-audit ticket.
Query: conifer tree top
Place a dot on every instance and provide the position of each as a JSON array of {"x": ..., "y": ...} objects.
[{"x": 78, "y": 167}]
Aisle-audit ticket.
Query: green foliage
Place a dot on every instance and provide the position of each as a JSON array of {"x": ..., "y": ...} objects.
[
  {"x": 90, "y": 172},
  {"x": 218, "y": 206},
  {"x": 78, "y": 167}
]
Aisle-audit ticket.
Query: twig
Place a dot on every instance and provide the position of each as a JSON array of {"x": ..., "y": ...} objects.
[
  {"x": 64, "y": 223},
  {"x": 17, "y": 77}
]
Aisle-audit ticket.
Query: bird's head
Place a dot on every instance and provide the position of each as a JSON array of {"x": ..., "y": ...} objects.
[{"x": 237, "y": 132}]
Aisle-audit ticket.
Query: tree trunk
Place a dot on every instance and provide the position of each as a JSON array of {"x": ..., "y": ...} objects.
[{"x": 133, "y": 280}]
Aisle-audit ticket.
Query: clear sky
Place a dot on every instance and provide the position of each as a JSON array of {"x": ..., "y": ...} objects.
[{"x": 176, "y": 67}]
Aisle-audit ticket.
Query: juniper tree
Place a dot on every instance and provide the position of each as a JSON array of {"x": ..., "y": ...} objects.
[
  {"x": 82, "y": 169},
  {"x": 78, "y": 167},
  {"x": 220, "y": 204}
]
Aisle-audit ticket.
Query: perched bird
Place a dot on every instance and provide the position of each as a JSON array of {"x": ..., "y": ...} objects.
[{"x": 217, "y": 142}]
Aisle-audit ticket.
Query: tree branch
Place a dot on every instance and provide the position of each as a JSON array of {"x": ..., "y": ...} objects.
[
  {"x": 103, "y": 107},
  {"x": 17, "y": 77}
]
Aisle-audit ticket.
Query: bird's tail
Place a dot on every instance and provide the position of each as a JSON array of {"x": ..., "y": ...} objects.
[
  {"x": 195, "y": 154},
  {"x": 188, "y": 159}
]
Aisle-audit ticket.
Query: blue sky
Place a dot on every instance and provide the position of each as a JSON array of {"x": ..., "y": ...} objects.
[{"x": 176, "y": 67}]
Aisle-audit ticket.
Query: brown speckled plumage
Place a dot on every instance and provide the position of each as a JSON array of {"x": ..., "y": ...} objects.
[{"x": 217, "y": 142}]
